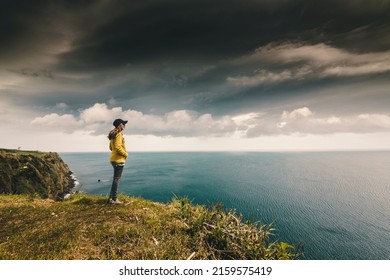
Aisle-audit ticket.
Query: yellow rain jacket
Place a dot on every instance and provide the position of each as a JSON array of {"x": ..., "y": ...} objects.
[{"x": 118, "y": 149}]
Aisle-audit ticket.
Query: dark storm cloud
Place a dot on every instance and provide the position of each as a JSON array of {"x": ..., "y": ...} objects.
[
  {"x": 184, "y": 48},
  {"x": 29, "y": 28},
  {"x": 184, "y": 54},
  {"x": 46, "y": 73},
  {"x": 214, "y": 30},
  {"x": 115, "y": 33}
]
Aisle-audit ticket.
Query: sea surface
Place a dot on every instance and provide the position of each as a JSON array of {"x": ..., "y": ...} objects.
[{"x": 336, "y": 203}]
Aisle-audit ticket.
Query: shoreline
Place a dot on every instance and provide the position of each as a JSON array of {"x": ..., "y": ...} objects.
[{"x": 73, "y": 184}]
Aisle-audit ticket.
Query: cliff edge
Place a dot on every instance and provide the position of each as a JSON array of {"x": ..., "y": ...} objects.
[
  {"x": 86, "y": 227},
  {"x": 32, "y": 172}
]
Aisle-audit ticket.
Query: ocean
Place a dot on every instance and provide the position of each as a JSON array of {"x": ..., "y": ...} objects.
[{"x": 336, "y": 203}]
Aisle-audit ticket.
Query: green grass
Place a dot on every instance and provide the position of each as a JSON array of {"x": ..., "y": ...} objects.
[
  {"x": 22, "y": 152},
  {"x": 85, "y": 227}
]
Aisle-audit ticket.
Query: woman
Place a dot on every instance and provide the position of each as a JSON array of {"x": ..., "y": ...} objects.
[{"x": 118, "y": 157}]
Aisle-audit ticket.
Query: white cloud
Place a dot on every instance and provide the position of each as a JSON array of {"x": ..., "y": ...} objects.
[
  {"x": 261, "y": 77},
  {"x": 302, "y": 61},
  {"x": 54, "y": 119},
  {"x": 304, "y": 122},
  {"x": 333, "y": 120},
  {"x": 301, "y": 112},
  {"x": 99, "y": 113},
  {"x": 375, "y": 120},
  {"x": 287, "y": 53},
  {"x": 97, "y": 120},
  {"x": 65, "y": 123},
  {"x": 86, "y": 129},
  {"x": 62, "y": 106}
]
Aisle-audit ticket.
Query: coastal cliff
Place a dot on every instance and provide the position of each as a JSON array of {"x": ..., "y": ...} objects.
[
  {"x": 86, "y": 227},
  {"x": 35, "y": 173}
]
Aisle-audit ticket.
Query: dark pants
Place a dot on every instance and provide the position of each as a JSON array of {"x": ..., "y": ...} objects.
[{"x": 118, "y": 168}]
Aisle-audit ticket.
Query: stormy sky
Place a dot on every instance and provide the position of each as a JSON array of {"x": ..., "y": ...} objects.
[{"x": 195, "y": 75}]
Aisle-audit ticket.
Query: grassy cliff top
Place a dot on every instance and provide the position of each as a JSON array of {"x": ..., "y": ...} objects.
[
  {"x": 85, "y": 227},
  {"x": 22, "y": 152}
]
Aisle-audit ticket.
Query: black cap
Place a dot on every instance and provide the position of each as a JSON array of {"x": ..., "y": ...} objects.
[{"x": 117, "y": 122}]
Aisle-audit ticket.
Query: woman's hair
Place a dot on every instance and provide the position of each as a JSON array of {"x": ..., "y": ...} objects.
[{"x": 112, "y": 134}]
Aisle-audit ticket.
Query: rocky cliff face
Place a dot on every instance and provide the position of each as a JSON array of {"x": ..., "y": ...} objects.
[{"x": 25, "y": 172}]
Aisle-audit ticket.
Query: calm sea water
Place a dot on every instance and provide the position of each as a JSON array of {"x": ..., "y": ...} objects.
[{"x": 336, "y": 203}]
